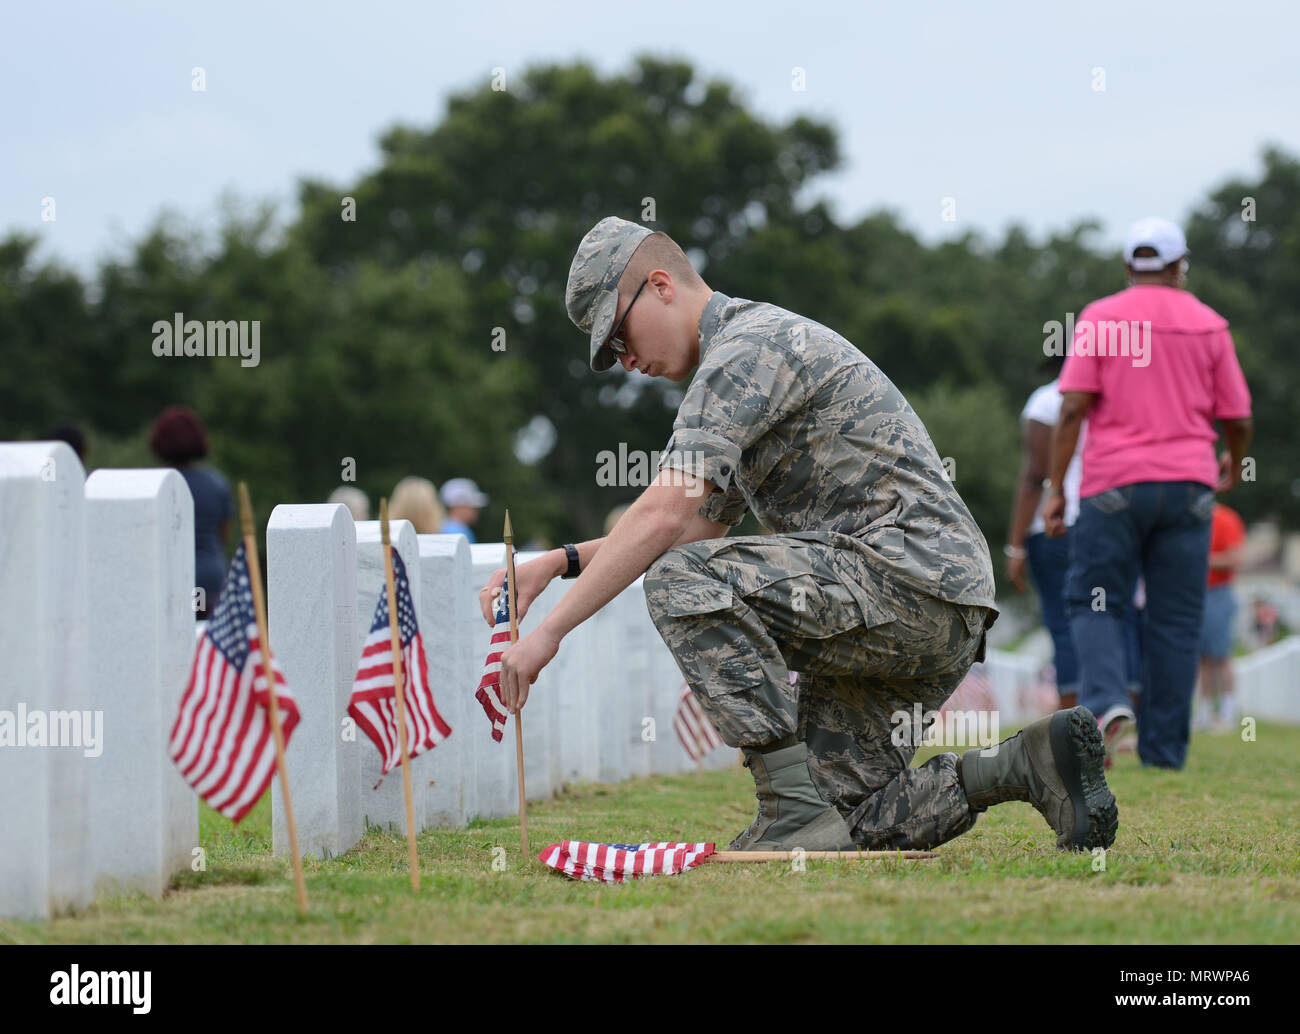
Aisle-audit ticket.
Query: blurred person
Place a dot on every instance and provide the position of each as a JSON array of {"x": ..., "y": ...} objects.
[
  {"x": 1227, "y": 548},
  {"x": 1149, "y": 478},
  {"x": 1028, "y": 546},
  {"x": 1266, "y": 618},
  {"x": 463, "y": 501},
  {"x": 74, "y": 434},
  {"x": 180, "y": 440},
  {"x": 357, "y": 502},
  {"x": 1048, "y": 558},
  {"x": 415, "y": 499}
]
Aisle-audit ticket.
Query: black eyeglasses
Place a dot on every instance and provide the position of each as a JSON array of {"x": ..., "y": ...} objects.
[{"x": 615, "y": 343}]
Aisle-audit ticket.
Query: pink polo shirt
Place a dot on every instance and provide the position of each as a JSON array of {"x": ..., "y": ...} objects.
[{"x": 1163, "y": 368}]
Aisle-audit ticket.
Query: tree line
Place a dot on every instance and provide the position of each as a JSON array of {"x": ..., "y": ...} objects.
[{"x": 412, "y": 322}]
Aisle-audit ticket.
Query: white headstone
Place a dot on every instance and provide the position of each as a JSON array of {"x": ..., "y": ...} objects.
[
  {"x": 448, "y": 601},
  {"x": 612, "y": 699},
  {"x": 497, "y": 792},
  {"x": 640, "y": 639},
  {"x": 578, "y": 719},
  {"x": 311, "y": 571},
  {"x": 541, "y": 712},
  {"x": 386, "y": 805},
  {"x": 44, "y": 847},
  {"x": 144, "y": 818}
]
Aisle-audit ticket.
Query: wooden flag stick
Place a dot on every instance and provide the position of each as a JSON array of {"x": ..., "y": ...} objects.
[
  {"x": 395, "y": 641},
  {"x": 840, "y": 856},
  {"x": 519, "y": 715},
  {"x": 268, "y": 672}
]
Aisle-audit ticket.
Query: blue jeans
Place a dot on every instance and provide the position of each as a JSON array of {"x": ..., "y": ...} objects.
[
  {"x": 1049, "y": 562},
  {"x": 1161, "y": 530}
]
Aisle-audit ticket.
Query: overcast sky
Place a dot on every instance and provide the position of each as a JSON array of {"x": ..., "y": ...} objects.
[{"x": 994, "y": 105}]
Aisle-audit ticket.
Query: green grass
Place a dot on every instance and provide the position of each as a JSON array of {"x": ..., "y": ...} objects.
[{"x": 1207, "y": 855}]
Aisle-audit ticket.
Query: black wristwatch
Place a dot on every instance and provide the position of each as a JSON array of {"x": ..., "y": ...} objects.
[{"x": 571, "y": 552}]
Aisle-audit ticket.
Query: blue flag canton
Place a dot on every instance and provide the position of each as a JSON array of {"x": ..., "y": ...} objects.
[
  {"x": 406, "y": 625},
  {"x": 228, "y": 626},
  {"x": 503, "y": 604}
]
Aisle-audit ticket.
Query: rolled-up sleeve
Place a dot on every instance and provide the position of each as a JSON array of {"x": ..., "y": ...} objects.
[{"x": 702, "y": 453}]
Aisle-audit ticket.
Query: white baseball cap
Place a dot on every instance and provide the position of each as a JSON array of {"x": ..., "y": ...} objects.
[
  {"x": 1167, "y": 239},
  {"x": 462, "y": 492}
]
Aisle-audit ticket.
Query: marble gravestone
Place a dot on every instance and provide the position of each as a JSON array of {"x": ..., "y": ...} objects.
[
  {"x": 144, "y": 818},
  {"x": 44, "y": 848},
  {"x": 384, "y": 804},
  {"x": 448, "y": 599},
  {"x": 498, "y": 793},
  {"x": 311, "y": 564}
]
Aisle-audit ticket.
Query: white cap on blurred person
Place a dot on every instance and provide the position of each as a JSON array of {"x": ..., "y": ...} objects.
[
  {"x": 1160, "y": 234},
  {"x": 462, "y": 492}
]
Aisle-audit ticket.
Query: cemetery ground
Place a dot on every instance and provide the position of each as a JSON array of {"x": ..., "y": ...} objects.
[{"x": 1207, "y": 855}]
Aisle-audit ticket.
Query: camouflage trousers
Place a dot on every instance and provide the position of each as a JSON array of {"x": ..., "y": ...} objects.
[{"x": 740, "y": 614}]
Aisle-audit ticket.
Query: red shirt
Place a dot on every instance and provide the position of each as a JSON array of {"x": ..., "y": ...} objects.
[{"x": 1228, "y": 530}]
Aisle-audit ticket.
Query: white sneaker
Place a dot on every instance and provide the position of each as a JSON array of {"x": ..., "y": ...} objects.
[{"x": 1119, "y": 730}]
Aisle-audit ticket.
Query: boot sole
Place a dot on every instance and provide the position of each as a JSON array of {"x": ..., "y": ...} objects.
[{"x": 1080, "y": 755}]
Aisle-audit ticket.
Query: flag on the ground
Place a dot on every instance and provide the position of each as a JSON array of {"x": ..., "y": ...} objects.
[
  {"x": 374, "y": 691},
  {"x": 693, "y": 727},
  {"x": 221, "y": 740},
  {"x": 614, "y": 863},
  {"x": 489, "y": 686}
]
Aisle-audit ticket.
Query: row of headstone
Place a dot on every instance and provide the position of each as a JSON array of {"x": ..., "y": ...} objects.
[
  {"x": 97, "y": 636},
  {"x": 96, "y": 642},
  {"x": 602, "y": 710}
]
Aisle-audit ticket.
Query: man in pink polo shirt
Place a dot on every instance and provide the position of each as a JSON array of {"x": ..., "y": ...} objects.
[{"x": 1152, "y": 369}]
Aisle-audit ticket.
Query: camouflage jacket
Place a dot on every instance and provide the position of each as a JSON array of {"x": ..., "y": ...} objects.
[{"x": 791, "y": 421}]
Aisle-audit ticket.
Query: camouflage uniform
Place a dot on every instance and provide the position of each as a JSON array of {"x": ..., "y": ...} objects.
[{"x": 876, "y": 586}]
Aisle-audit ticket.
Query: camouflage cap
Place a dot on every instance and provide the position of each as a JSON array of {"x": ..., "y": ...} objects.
[{"x": 592, "y": 293}]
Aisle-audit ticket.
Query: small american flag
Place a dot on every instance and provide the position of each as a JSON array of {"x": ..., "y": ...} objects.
[
  {"x": 489, "y": 686},
  {"x": 693, "y": 727},
  {"x": 222, "y": 740},
  {"x": 614, "y": 863},
  {"x": 374, "y": 691}
]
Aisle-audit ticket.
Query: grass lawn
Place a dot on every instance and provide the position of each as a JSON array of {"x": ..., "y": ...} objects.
[{"x": 1207, "y": 855}]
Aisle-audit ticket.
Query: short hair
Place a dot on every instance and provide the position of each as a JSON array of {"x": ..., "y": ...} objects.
[
  {"x": 70, "y": 432},
  {"x": 416, "y": 500},
  {"x": 659, "y": 251},
  {"x": 178, "y": 436},
  {"x": 357, "y": 502}
]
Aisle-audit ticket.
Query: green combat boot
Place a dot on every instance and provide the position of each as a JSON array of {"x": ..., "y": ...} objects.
[
  {"x": 791, "y": 810},
  {"x": 1056, "y": 764}
]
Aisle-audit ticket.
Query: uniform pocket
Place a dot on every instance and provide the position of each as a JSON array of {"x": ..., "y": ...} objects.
[{"x": 702, "y": 600}]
